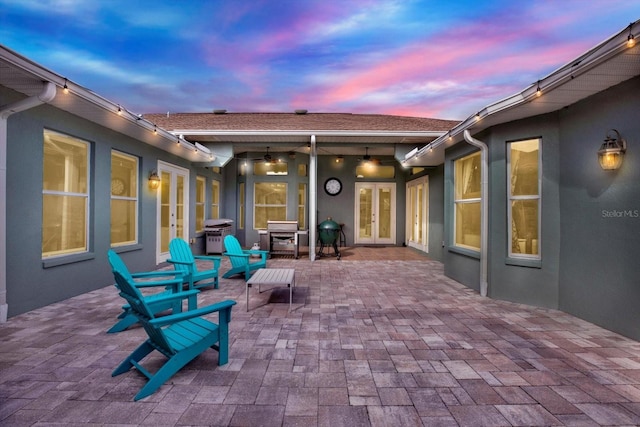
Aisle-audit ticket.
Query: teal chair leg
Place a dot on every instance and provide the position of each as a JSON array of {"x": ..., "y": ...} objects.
[
  {"x": 127, "y": 319},
  {"x": 171, "y": 367},
  {"x": 139, "y": 353}
]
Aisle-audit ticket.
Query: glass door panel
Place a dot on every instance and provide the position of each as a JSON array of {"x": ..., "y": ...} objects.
[
  {"x": 173, "y": 207},
  {"x": 417, "y": 213},
  {"x": 365, "y": 214},
  {"x": 375, "y": 213}
]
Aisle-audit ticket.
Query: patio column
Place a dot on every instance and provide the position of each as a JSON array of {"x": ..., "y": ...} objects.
[{"x": 313, "y": 197}]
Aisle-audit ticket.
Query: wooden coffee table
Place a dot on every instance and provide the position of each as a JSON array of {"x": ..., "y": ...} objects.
[{"x": 273, "y": 277}]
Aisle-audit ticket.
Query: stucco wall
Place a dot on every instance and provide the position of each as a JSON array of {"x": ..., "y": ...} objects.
[
  {"x": 600, "y": 212},
  {"x": 512, "y": 279},
  {"x": 32, "y": 283},
  {"x": 340, "y": 207},
  {"x": 460, "y": 264}
]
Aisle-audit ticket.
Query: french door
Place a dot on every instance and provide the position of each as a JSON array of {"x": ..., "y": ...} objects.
[
  {"x": 417, "y": 213},
  {"x": 173, "y": 207},
  {"x": 375, "y": 215}
]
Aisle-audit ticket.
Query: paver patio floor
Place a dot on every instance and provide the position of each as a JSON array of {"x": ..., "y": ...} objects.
[{"x": 378, "y": 338}]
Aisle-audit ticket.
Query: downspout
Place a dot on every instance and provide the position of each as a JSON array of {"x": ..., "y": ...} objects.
[
  {"x": 313, "y": 197},
  {"x": 47, "y": 95},
  {"x": 484, "y": 210}
]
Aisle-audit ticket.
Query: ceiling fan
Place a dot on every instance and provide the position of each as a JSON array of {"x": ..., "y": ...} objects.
[
  {"x": 372, "y": 161},
  {"x": 267, "y": 158}
]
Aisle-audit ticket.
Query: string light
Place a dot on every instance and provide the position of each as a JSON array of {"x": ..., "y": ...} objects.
[
  {"x": 155, "y": 130},
  {"x": 65, "y": 88},
  {"x": 631, "y": 41},
  {"x": 538, "y": 90},
  {"x": 119, "y": 110}
]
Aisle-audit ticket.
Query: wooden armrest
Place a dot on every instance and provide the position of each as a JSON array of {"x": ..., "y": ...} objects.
[
  {"x": 175, "y": 296},
  {"x": 257, "y": 252},
  {"x": 238, "y": 255},
  {"x": 170, "y": 283},
  {"x": 174, "y": 318},
  {"x": 175, "y": 261},
  {"x": 216, "y": 260},
  {"x": 158, "y": 273}
]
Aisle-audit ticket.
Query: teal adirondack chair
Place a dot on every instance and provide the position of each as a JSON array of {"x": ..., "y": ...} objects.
[
  {"x": 183, "y": 260},
  {"x": 241, "y": 258},
  {"x": 155, "y": 301},
  {"x": 180, "y": 337}
]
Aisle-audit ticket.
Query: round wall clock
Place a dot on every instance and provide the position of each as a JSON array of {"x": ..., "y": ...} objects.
[
  {"x": 117, "y": 186},
  {"x": 333, "y": 186}
]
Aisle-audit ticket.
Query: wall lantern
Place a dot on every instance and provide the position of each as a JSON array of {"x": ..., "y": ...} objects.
[
  {"x": 612, "y": 151},
  {"x": 154, "y": 180}
]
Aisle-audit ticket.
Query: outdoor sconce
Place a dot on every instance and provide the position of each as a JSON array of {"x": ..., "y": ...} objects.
[
  {"x": 154, "y": 180},
  {"x": 612, "y": 151}
]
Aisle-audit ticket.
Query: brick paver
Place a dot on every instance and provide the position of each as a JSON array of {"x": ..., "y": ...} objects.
[{"x": 380, "y": 337}]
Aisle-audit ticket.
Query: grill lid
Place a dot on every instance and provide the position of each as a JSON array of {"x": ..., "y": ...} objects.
[{"x": 218, "y": 223}]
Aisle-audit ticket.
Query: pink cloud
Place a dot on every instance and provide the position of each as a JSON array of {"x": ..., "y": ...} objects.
[{"x": 472, "y": 56}]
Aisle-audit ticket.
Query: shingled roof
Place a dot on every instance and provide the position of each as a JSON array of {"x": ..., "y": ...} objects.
[{"x": 297, "y": 122}]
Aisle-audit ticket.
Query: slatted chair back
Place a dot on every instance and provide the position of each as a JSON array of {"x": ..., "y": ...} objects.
[
  {"x": 117, "y": 265},
  {"x": 141, "y": 310},
  {"x": 241, "y": 259},
  {"x": 180, "y": 250},
  {"x": 234, "y": 251},
  {"x": 185, "y": 262}
]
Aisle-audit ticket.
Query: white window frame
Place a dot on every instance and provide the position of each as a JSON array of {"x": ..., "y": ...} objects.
[
  {"x": 86, "y": 195},
  {"x": 202, "y": 203},
  {"x": 215, "y": 207},
  {"x": 128, "y": 198},
  {"x": 242, "y": 191},
  {"x": 302, "y": 222},
  {"x": 457, "y": 202},
  {"x": 256, "y": 205},
  {"x": 511, "y": 198}
]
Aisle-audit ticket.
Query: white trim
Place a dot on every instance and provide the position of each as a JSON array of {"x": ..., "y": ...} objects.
[
  {"x": 511, "y": 198},
  {"x": 375, "y": 226},
  {"x": 175, "y": 171},
  {"x": 424, "y": 246}
]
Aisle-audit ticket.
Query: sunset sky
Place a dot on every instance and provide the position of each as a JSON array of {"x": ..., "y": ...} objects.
[{"x": 427, "y": 58}]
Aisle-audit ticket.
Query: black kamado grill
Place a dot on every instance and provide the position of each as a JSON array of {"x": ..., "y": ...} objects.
[{"x": 328, "y": 233}]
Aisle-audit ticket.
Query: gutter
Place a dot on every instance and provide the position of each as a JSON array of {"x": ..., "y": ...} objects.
[
  {"x": 581, "y": 65},
  {"x": 484, "y": 210},
  {"x": 48, "y": 93}
]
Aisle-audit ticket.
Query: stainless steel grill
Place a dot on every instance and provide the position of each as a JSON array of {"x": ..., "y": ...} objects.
[
  {"x": 283, "y": 238},
  {"x": 215, "y": 230}
]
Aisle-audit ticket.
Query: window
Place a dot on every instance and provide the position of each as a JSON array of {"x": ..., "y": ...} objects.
[
  {"x": 241, "y": 206},
  {"x": 270, "y": 168},
  {"x": 372, "y": 170},
  {"x": 302, "y": 203},
  {"x": 124, "y": 199},
  {"x": 200, "y": 203},
  {"x": 269, "y": 204},
  {"x": 65, "y": 195},
  {"x": 215, "y": 199},
  {"x": 524, "y": 198},
  {"x": 467, "y": 202}
]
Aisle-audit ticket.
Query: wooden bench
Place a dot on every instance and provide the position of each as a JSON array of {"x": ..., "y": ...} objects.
[{"x": 273, "y": 277}]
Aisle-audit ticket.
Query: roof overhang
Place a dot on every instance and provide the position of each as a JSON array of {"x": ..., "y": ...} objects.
[{"x": 26, "y": 77}]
